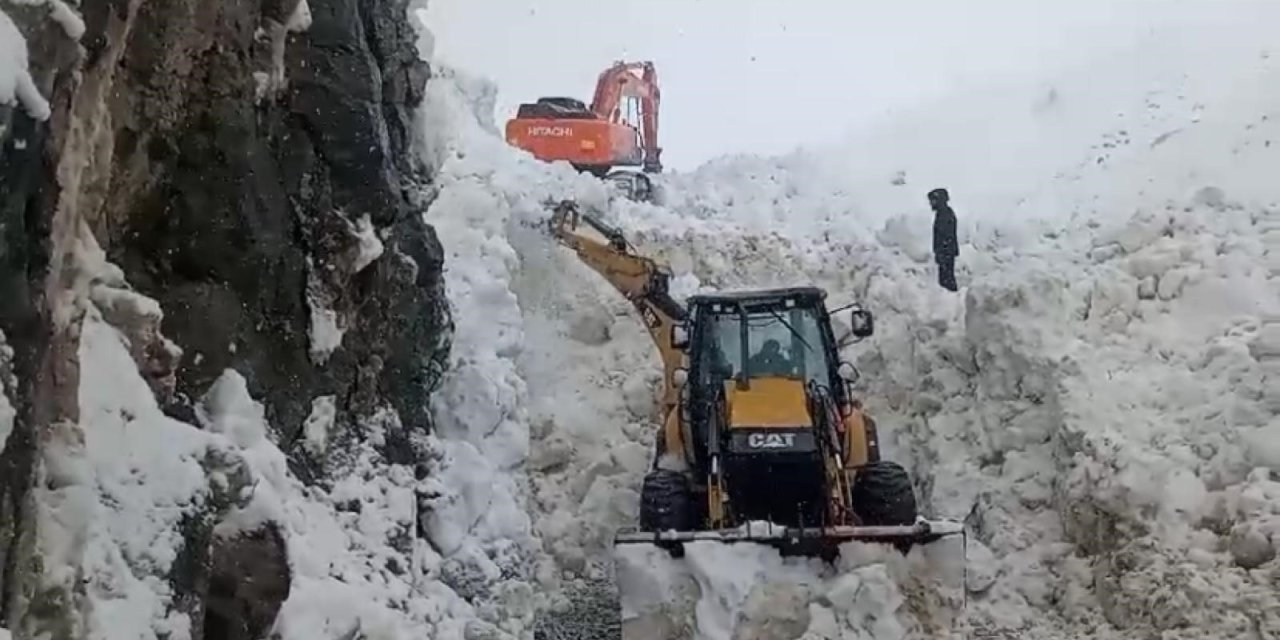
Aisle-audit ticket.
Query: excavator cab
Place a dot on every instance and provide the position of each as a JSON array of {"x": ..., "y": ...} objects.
[{"x": 758, "y": 362}]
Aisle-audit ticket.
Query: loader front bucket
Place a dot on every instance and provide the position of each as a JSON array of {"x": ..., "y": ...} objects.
[
  {"x": 797, "y": 541},
  {"x": 661, "y": 595}
]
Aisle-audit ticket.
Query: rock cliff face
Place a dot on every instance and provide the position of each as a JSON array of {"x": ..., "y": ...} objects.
[{"x": 245, "y": 164}]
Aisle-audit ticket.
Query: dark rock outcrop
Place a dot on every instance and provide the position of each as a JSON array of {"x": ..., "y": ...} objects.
[
  {"x": 249, "y": 578},
  {"x": 255, "y": 180}
]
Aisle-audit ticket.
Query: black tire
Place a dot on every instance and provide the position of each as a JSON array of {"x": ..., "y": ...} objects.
[
  {"x": 666, "y": 501},
  {"x": 882, "y": 495}
]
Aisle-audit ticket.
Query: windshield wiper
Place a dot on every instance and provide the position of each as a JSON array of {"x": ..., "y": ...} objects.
[{"x": 792, "y": 330}]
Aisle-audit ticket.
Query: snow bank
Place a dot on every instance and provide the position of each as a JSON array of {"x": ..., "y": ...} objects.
[
  {"x": 327, "y": 327},
  {"x": 114, "y": 493},
  {"x": 113, "y": 519},
  {"x": 120, "y": 489},
  {"x": 16, "y": 85},
  {"x": 480, "y": 519},
  {"x": 150, "y": 471},
  {"x": 62, "y": 13},
  {"x": 748, "y": 591},
  {"x": 7, "y": 383},
  {"x": 356, "y": 567}
]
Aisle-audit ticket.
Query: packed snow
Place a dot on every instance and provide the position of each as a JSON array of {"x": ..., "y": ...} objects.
[
  {"x": 16, "y": 84},
  {"x": 119, "y": 488},
  {"x": 327, "y": 326},
  {"x": 300, "y": 19},
  {"x": 60, "y": 12},
  {"x": 1099, "y": 402},
  {"x": 8, "y": 383}
]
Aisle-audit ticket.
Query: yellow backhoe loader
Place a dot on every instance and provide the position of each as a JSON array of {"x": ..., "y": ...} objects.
[{"x": 762, "y": 440}]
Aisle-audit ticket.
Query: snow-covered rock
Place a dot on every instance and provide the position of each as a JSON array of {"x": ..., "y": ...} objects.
[
  {"x": 16, "y": 84},
  {"x": 7, "y": 384}
]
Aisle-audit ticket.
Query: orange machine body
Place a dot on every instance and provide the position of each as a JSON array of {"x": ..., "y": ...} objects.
[
  {"x": 619, "y": 128},
  {"x": 589, "y": 144}
]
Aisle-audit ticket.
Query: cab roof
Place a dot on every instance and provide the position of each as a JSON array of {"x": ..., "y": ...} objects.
[{"x": 801, "y": 294}]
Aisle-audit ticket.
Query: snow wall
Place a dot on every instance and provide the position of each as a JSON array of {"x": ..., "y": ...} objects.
[{"x": 1099, "y": 402}]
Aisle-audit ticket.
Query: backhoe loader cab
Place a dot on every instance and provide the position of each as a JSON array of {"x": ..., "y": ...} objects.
[
  {"x": 779, "y": 341},
  {"x": 761, "y": 365}
]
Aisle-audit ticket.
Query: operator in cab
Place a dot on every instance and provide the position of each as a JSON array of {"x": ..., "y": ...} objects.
[{"x": 770, "y": 361}]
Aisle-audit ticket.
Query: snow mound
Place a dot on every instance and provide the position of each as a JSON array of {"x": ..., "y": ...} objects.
[
  {"x": 16, "y": 85},
  {"x": 115, "y": 492},
  {"x": 356, "y": 568},
  {"x": 748, "y": 591},
  {"x": 7, "y": 383},
  {"x": 120, "y": 491}
]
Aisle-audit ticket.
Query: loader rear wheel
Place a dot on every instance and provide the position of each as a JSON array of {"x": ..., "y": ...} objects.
[
  {"x": 666, "y": 501},
  {"x": 882, "y": 495}
]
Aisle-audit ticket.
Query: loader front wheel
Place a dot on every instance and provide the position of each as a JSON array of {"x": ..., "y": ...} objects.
[
  {"x": 666, "y": 501},
  {"x": 882, "y": 495}
]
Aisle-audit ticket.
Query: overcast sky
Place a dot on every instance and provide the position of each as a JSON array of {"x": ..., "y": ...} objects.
[{"x": 764, "y": 76}]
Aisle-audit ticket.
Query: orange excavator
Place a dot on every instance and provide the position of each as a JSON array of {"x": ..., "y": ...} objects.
[{"x": 619, "y": 129}]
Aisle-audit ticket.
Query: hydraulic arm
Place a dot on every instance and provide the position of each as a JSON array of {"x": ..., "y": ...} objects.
[{"x": 639, "y": 279}]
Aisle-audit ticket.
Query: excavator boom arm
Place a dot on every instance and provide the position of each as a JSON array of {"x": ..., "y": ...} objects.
[
  {"x": 621, "y": 80},
  {"x": 641, "y": 280}
]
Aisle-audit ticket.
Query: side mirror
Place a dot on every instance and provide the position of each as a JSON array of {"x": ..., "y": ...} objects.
[
  {"x": 679, "y": 337},
  {"x": 862, "y": 322},
  {"x": 847, "y": 372},
  {"x": 679, "y": 377}
]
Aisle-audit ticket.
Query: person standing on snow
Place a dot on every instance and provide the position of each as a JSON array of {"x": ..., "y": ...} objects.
[{"x": 945, "y": 246}]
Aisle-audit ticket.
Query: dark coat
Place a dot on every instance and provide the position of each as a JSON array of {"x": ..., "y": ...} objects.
[{"x": 944, "y": 233}]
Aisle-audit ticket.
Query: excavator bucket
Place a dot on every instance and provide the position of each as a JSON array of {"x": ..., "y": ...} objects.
[{"x": 792, "y": 541}]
